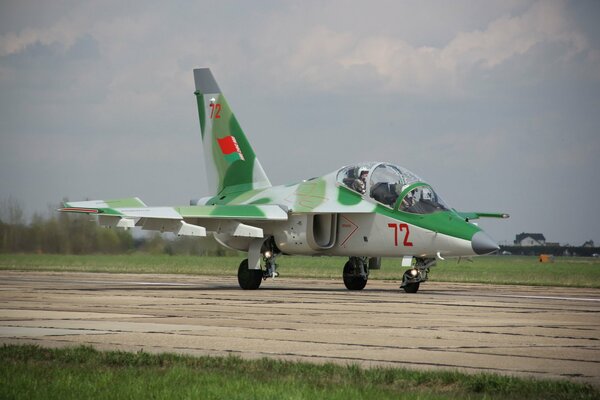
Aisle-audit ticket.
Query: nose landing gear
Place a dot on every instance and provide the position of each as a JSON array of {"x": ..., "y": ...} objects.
[{"x": 412, "y": 278}]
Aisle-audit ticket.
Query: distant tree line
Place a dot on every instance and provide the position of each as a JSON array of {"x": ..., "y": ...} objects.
[
  {"x": 58, "y": 233},
  {"x": 62, "y": 233}
]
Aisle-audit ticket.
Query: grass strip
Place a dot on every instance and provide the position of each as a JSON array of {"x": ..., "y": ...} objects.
[
  {"x": 509, "y": 270},
  {"x": 31, "y": 372}
]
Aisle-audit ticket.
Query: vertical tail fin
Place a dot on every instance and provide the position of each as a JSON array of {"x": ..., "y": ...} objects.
[{"x": 231, "y": 164}]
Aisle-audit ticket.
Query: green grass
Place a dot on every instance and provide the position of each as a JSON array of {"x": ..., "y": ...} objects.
[
  {"x": 123, "y": 263},
  {"x": 30, "y": 372},
  {"x": 517, "y": 270},
  {"x": 510, "y": 270}
]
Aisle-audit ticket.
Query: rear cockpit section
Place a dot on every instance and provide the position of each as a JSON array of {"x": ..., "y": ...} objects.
[
  {"x": 386, "y": 183},
  {"x": 382, "y": 182}
]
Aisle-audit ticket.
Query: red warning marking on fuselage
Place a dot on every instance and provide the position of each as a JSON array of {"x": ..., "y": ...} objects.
[{"x": 352, "y": 224}]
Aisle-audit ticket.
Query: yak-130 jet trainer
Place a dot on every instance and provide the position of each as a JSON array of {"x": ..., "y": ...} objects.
[{"x": 364, "y": 211}]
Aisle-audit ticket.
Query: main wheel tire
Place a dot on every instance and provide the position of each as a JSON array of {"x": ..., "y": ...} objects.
[
  {"x": 249, "y": 279},
  {"x": 351, "y": 280},
  {"x": 412, "y": 287}
]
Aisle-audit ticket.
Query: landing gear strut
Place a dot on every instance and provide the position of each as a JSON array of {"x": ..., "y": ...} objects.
[
  {"x": 271, "y": 266},
  {"x": 356, "y": 273}
]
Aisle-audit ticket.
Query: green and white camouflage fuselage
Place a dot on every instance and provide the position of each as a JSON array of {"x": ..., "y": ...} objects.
[
  {"x": 325, "y": 217},
  {"x": 319, "y": 216}
]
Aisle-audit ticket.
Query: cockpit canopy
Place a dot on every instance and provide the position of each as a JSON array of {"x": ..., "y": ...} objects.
[{"x": 386, "y": 183}]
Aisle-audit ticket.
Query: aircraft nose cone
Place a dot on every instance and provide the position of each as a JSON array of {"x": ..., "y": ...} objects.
[{"x": 483, "y": 244}]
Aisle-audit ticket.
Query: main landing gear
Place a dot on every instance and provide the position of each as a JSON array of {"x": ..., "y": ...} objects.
[
  {"x": 250, "y": 279},
  {"x": 356, "y": 273}
]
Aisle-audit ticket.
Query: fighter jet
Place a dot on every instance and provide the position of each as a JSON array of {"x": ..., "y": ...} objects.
[{"x": 364, "y": 211}]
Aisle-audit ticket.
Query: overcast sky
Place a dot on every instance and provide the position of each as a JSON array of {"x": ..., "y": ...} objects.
[{"x": 495, "y": 103}]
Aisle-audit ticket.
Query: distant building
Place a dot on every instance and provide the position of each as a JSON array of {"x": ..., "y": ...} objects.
[
  {"x": 530, "y": 239},
  {"x": 589, "y": 243}
]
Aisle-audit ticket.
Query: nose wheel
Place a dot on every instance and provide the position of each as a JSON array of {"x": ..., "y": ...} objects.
[
  {"x": 412, "y": 278},
  {"x": 411, "y": 287}
]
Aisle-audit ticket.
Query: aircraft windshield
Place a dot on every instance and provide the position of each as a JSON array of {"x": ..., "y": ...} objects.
[
  {"x": 383, "y": 182},
  {"x": 422, "y": 200}
]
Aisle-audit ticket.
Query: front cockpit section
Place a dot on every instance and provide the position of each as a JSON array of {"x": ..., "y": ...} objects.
[{"x": 422, "y": 200}]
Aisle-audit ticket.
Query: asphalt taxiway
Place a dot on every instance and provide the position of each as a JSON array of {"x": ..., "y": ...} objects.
[{"x": 544, "y": 332}]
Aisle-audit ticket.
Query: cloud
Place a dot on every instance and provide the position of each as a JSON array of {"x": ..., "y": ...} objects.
[
  {"x": 319, "y": 56},
  {"x": 326, "y": 58},
  {"x": 62, "y": 32},
  {"x": 507, "y": 37}
]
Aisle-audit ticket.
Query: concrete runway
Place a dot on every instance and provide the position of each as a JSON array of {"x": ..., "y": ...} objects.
[{"x": 526, "y": 331}]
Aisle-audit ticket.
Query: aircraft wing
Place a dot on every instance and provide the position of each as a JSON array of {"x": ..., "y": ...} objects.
[
  {"x": 185, "y": 220},
  {"x": 476, "y": 215}
]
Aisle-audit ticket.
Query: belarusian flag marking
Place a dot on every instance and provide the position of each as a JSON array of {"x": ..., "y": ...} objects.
[{"x": 230, "y": 149}]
